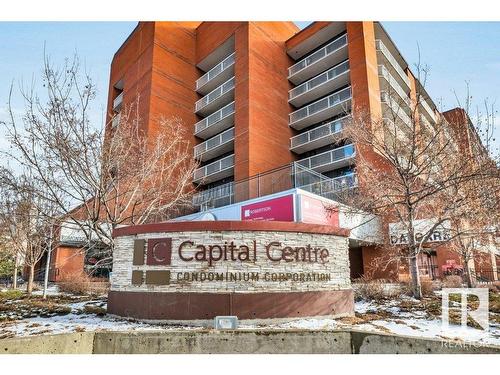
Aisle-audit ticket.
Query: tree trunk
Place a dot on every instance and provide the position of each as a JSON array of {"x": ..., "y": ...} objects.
[
  {"x": 14, "y": 280},
  {"x": 415, "y": 278},
  {"x": 31, "y": 277},
  {"x": 467, "y": 273}
]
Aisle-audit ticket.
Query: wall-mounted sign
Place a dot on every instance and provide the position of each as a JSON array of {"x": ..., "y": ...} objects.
[
  {"x": 251, "y": 261},
  {"x": 398, "y": 232},
  {"x": 276, "y": 209},
  {"x": 315, "y": 211}
]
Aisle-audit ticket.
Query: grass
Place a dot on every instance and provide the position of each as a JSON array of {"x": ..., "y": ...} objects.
[{"x": 11, "y": 295}]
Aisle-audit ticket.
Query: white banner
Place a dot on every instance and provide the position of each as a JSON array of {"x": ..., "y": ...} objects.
[{"x": 399, "y": 235}]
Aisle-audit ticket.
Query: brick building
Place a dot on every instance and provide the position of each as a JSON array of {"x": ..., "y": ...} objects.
[{"x": 258, "y": 96}]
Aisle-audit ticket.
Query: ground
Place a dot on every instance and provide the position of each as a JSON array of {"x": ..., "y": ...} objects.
[{"x": 22, "y": 316}]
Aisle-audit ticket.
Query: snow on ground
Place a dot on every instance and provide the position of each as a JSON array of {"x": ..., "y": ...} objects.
[
  {"x": 385, "y": 317},
  {"x": 415, "y": 323},
  {"x": 52, "y": 290},
  {"x": 81, "y": 322}
]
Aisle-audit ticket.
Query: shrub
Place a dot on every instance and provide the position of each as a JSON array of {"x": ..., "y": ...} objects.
[
  {"x": 81, "y": 284},
  {"x": 92, "y": 309},
  {"x": 369, "y": 289},
  {"x": 11, "y": 294},
  {"x": 429, "y": 287},
  {"x": 452, "y": 281},
  {"x": 493, "y": 287}
]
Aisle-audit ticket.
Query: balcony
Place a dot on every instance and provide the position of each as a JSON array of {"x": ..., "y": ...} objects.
[
  {"x": 319, "y": 86},
  {"x": 216, "y": 99},
  {"x": 115, "y": 121},
  {"x": 401, "y": 76},
  {"x": 329, "y": 187},
  {"x": 317, "y": 137},
  {"x": 218, "y": 196},
  {"x": 330, "y": 55},
  {"x": 117, "y": 103},
  {"x": 392, "y": 85},
  {"x": 392, "y": 109},
  {"x": 216, "y": 76},
  {"x": 215, "y": 171},
  {"x": 215, "y": 123},
  {"x": 330, "y": 160},
  {"x": 330, "y": 106},
  {"x": 215, "y": 146},
  {"x": 427, "y": 111},
  {"x": 400, "y": 132}
]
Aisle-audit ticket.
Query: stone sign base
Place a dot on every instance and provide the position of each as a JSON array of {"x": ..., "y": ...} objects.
[
  {"x": 182, "y": 271},
  {"x": 205, "y": 306}
]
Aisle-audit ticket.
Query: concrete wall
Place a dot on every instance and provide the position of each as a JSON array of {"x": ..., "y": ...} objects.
[{"x": 221, "y": 342}]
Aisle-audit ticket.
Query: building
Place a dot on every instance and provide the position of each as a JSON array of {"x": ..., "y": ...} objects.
[{"x": 261, "y": 99}]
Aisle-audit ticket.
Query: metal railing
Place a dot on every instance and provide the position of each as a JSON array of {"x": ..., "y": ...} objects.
[
  {"x": 330, "y": 187},
  {"x": 330, "y": 48},
  {"x": 116, "y": 120},
  {"x": 428, "y": 109},
  {"x": 330, "y": 101},
  {"x": 214, "y": 142},
  {"x": 213, "y": 168},
  {"x": 215, "y": 117},
  {"x": 380, "y": 46},
  {"x": 321, "y": 79},
  {"x": 329, "y": 129},
  {"x": 395, "y": 108},
  {"x": 215, "y": 71},
  {"x": 215, "y": 94},
  {"x": 384, "y": 73},
  {"x": 277, "y": 180},
  {"x": 329, "y": 157},
  {"x": 485, "y": 276},
  {"x": 221, "y": 195},
  {"x": 117, "y": 102}
]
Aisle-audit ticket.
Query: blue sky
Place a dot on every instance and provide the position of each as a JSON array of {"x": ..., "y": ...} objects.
[{"x": 455, "y": 51}]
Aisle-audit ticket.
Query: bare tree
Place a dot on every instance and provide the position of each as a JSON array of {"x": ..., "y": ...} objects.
[
  {"x": 414, "y": 175},
  {"x": 476, "y": 229},
  {"x": 98, "y": 179},
  {"x": 25, "y": 223}
]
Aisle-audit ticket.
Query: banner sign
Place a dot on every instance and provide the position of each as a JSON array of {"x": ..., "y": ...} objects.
[
  {"x": 276, "y": 209},
  {"x": 398, "y": 232},
  {"x": 315, "y": 211}
]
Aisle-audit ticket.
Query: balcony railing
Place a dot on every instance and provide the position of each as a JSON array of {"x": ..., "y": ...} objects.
[
  {"x": 319, "y": 55},
  {"x": 395, "y": 109},
  {"x": 298, "y": 118},
  {"x": 215, "y": 94},
  {"x": 116, "y": 120},
  {"x": 392, "y": 60},
  {"x": 215, "y": 122},
  {"x": 217, "y": 196},
  {"x": 215, "y": 72},
  {"x": 328, "y": 76},
  {"x": 427, "y": 108},
  {"x": 331, "y": 159},
  {"x": 323, "y": 132},
  {"x": 117, "y": 103},
  {"x": 224, "y": 138},
  {"x": 334, "y": 185},
  {"x": 395, "y": 86},
  {"x": 215, "y": 171}
]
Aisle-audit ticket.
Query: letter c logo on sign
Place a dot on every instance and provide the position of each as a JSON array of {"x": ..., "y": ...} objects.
[{"x": 159, "y": 252}]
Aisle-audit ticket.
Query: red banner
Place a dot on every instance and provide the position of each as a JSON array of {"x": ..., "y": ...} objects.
[{"x": 277, "y": 209}]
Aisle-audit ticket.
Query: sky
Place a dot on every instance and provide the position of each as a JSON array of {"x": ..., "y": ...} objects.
[{"x": 455, "y": 52}]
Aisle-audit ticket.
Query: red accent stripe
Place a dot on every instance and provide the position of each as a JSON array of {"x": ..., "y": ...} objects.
[{"x": 216, "y": 226}]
